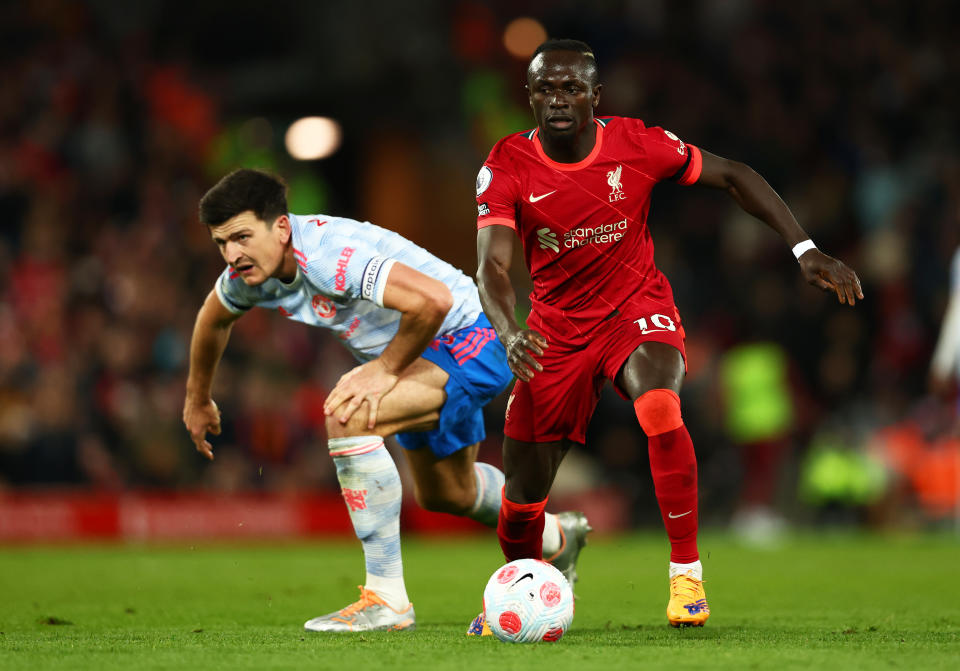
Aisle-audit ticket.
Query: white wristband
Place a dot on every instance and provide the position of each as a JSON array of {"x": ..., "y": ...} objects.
[{"x": 801, "y": 247}]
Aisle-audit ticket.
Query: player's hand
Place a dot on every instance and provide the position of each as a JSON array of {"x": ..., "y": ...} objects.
[
  {"x": 200, "y": 417},
  {"x": 830, "y": 274},
  {"x": 521, "y": 348},
  {"x": 368, "y": 382}
]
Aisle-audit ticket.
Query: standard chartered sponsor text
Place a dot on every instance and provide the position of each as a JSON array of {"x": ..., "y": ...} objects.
[{"x": 594, "y": 234}]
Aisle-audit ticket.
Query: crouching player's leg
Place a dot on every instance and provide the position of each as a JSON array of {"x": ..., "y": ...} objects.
[{"x": 372, "y": 493}]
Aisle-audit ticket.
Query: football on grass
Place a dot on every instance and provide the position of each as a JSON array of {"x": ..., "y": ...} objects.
[{"x": 527, "y": 601}]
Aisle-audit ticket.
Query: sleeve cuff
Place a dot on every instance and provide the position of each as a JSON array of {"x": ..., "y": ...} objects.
[
  {"x": 692, "y": 173},
  {"x": 227, "y": 303},
  {"x": 496, "y": 221}
]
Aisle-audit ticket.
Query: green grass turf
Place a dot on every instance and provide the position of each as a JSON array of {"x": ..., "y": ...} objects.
[{"x": 825, "y": 602}]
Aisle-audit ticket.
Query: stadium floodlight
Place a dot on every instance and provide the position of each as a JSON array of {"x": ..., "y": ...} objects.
[
  {"x": 522, "y": 36},
  {"x": 312, "y": 138}
]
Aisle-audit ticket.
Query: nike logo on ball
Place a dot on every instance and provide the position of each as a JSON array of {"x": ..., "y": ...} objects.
[
  {"x": 534, "y": 199},
  {"x": 673, "y": 517}
]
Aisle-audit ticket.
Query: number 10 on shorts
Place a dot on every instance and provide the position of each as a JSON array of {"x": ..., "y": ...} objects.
[{"x": 657, "y": 323}]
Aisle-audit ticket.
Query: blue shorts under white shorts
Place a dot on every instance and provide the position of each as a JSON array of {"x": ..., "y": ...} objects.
[{"x": 477, "y": 365}]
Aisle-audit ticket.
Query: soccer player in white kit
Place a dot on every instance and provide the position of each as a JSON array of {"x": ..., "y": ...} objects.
[{"x": 429, "y": 362}]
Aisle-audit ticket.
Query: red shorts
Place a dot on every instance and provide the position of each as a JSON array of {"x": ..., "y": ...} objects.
[{"x": 559, "y": 401}]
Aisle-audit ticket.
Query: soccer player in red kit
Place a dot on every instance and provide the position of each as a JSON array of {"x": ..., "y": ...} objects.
[{"x": 576, "y": 191}]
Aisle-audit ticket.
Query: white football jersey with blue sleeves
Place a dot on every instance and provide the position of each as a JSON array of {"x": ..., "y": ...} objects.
[{"x": 342, "y": 272}]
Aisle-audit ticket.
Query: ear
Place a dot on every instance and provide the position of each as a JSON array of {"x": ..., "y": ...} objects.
[
  {"x": 596, "y": 94},
  {"x": 282, "y": 228}
]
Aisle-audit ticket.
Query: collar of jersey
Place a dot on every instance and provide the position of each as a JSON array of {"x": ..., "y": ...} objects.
[
  {"x": 297, "y": 242},
  {"x": 294, "y": 283},
  {"x": 295, "y": 232},
  {"x": 579, "y": 165}
]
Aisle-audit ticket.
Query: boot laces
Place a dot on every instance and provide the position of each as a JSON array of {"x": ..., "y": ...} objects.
[
  {"x": 684, "y": 586},
  {"x": 367, "y": 598}
]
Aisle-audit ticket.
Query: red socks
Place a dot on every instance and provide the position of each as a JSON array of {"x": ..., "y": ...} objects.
[
  {"x": 520, "y": 528},
  {"x": 673, "y": 465}
]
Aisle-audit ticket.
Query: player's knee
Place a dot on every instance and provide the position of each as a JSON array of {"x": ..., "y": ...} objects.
[
  {"x": 525, "y": 492},
  {"x": 336, "y": 429},
  {"x": 355, "y": 426},
  {"x": 658, "y": 411}
]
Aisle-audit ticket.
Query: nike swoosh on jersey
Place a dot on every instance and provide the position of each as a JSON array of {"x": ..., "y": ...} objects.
[
  {"x": 534, "y": 199},
  {"x": 673, "y": 517},
  {"x": 653, "y": 331}
]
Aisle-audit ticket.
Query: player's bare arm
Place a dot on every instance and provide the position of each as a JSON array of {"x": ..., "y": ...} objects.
[
  {"x": 210, "y": 335},
  {"x": 423, "y": 303},
  {"x": 758, "y": 198},
  {"x": 495, "y": 252}
]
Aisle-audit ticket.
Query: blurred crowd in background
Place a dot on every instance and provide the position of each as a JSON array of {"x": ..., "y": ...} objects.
[{"x": 116, "y": 117}]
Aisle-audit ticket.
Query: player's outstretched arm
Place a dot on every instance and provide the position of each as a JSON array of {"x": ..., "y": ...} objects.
[
  {"x": 423, "y": 303},
  {"x": 495, "y": 253},
  {"x": 211, "y": 332},
  {"x": 758, "y": 198}
]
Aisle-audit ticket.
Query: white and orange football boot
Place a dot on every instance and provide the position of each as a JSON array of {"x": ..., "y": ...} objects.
[
  {"x": 688, "y": 602},
  {"x": 370, "y": 613}
]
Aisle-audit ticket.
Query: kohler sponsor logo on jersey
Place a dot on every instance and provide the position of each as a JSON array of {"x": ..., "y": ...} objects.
[
  {"x": 594, "y": 235},
  {"x": 340, "y": 278}
]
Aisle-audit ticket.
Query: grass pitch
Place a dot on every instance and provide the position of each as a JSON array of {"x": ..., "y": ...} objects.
[{"x": 826, "y": 602}]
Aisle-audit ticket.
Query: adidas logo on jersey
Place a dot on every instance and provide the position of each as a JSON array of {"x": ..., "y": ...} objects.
[{"x": 548, "y": 239}]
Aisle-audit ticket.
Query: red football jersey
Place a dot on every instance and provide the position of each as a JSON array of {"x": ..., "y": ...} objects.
[{"x": 583, "y": 226}]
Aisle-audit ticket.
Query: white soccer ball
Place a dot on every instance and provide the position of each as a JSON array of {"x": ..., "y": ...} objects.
[{"x": 526, "y": 601}]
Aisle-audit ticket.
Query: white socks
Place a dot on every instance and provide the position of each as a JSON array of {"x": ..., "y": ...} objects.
[
  {"x": 680, "y": 569},
  {"x": 371, "y": 489},
  {"x": 486, "y": 507},
  {"x": 551, "y": 535},
  {"x": 391, "y": 590}
]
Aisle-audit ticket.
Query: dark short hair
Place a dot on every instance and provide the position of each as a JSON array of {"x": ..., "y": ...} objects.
[
  {"x": 578, "y": 46},
  {"x": 244, "y": 190}
]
